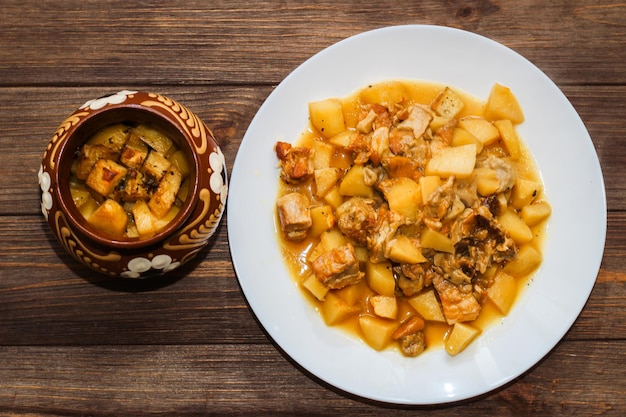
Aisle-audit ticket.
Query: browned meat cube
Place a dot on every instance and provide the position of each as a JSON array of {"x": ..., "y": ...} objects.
[
  {"x": 294, "y": 215},
  {"x": 135, "y": 152},
  {"x": 338, "y": 267},
  {"x": 458, "y": 306},
  {"x": 89, "y": 154},
  {"x": 296, "y": 162},
  {"x": 104, "y": 176}
]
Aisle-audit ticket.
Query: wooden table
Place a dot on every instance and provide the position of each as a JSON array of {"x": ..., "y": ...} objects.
[{"x": 74, "y": 343}]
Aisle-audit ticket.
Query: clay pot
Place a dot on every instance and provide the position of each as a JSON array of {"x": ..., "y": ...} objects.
[{"x": 184, "y": 236}]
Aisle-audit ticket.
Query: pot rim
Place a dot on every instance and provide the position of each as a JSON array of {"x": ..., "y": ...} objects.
[{"x": 88, "y": 125}]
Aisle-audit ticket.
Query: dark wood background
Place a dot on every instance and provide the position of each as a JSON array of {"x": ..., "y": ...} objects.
[{"x": 74, "y": 343}]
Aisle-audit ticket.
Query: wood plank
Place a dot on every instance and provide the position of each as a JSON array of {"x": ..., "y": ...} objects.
[
  {"x": 248, "y": 42},
  {"x": 234, "y": 380}
]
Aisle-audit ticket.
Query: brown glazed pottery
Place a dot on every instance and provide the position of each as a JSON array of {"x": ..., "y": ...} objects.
[{"x": 184, "y": 236}]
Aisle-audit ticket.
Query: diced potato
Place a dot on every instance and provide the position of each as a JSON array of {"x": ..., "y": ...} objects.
[
  {"x": 104, "y": 176},
  {"x": 527, "y": 260},
  {"x": 502, "y": 104},
  {"x": 322, "y": 219},
  {"x": 515, "y": 226},
  {"x": 110, "y": 218},
  {"x": 113, "y": 136},
  {"x": 386, "y": 93},
  {"x": 333, "y": 239},
  {"x": 502, "y": 292},
  {"x": 447, "y": 103},
  {"x": 353, "y": 293},
  {"x": 154, "y": 138},
  {"x": 333, "y": 197},
  {"x": 481, "y": 129},
  {"x": 460, "y": 337},
  {"x": 353, "y": 183},
  {"x": 379, "y": 277},
  {"x": 427, "y": 306},
  {"x": 384, "y": 306},
  {"x": 327, "y": 116},
  {"x": 88, "y": 208},
  {"x": 487, "y": 181},
  {"x": 434, "y": 240},
  {"x": 315, "y": 287},
  {"x": 144, "y": 219},
  {"x": 325, "y": 179},
  {"x": 169, "y": 216},
  {"x": 79, "y": 192},
  {"x": 456, "y": 160},
  {"x": 156, "y": 165},
  {"x": 183, "y": 191},
  {"x": 163, "y": 198},
  {"x": 322, "y": 155},
  {"x": 377, "y": 331},
  {"x": 438, "y": 122},
  {"x": 180, "y": 161},
  {"x": 462, "y": 137},
  {"x": 524, "y": 192},
  {"x": 404, "y": 196},
  {"x": 535, "y": 213},
  {"x": 402, "y": 249},
  {"x": 335, "y": 310},
  {"x": 428, "y": 185},
  {"x": 509, "y": 137},
  {"x": 88, "y": 157},
  {"x": 135, "y": 152},
  {"x": 361, "y": 253}
]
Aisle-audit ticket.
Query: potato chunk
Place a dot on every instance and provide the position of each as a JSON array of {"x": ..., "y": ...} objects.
[
  {"x": 110, "y": 218},
  {"x": 165, "y": 195},
  {"x": 460, "y": 337},
  {"x": 327, "y": 116},
  {"x": 502, "y": 104},
  {"x": 481, "y": 129},
  {"x": 377, "y": 331},
  {"x": 502, "y": 292},
  {"x": 447, "y": 103},
  {"x": 379, "y": 277},
  {"x": 458, "y": 161}
]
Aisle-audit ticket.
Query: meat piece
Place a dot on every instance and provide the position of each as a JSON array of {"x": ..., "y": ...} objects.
[
  {"x": 505, "y": 171},
  {"x": 296, "y": 162},
  {"x": 412, "y": 278},
  {"x": 413, "y": 344},
  {"x": 439, "y": 203},
  {"x": 294, "y": 215},
  {"x": 458, "y": 306},
  {"x": 356, "y": 217},
  {"x": 387, "y": 223},
  {"x": 418, "y": 120},
  {"x": 338, "y": 267}
]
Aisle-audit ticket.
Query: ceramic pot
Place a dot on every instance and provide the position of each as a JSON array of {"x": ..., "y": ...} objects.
[{"x": 184, "y": 236}]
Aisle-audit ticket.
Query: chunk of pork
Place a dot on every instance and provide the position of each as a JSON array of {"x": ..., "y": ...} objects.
[
  {"x": 294, "y": 215},
  {"x": 338, "y": 267}
]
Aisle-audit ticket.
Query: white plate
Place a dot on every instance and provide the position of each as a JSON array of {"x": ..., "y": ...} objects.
[{"x": 569, "y": 167}]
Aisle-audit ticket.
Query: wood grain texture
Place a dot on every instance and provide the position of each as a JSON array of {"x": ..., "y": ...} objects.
[{"x": 76, "y": 344}]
